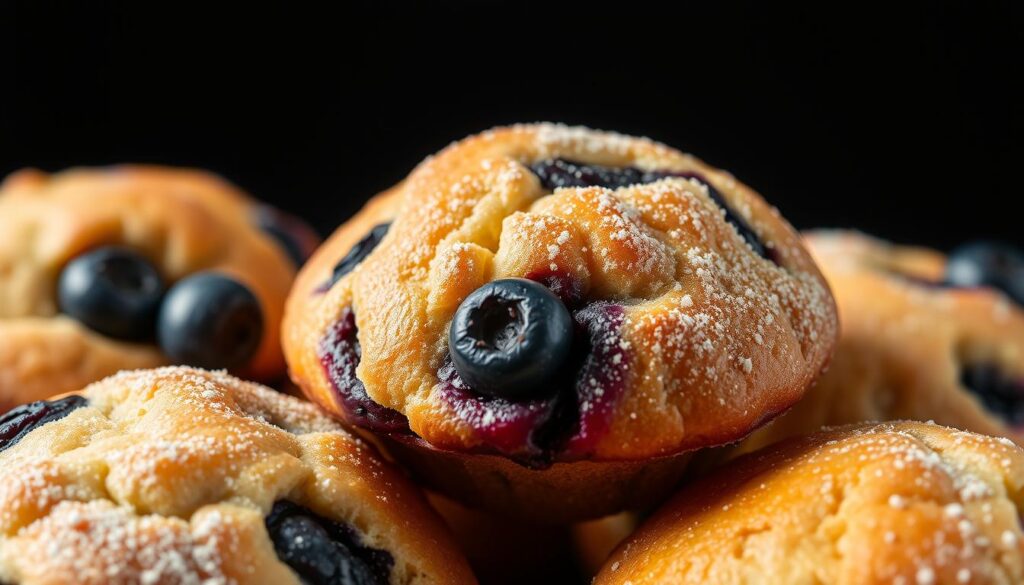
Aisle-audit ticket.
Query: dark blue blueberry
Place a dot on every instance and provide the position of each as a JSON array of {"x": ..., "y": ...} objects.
[
  {"x": 322, "y": 551},
  {"x": 20, "y": 421},
  {"x": 993, "y": 264},
  {"x": 1001, "y": 394},
  {"x": 113, "y": 291},
  {"x": 509, "y": 338},
  {"x": 211, "y": 321},
  {"x": 339, "y": 353},
  {"x": 737, "y": 222},
  {"x": 359, "y": 252},
  {"x": 556, "y": 173},
  {"x": 297, "y": 239}
]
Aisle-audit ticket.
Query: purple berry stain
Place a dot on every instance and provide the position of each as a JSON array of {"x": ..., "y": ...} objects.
[
  {"x": 602, "y": 378},
  {"x": 339, "y": 354},
  {"x": 568, "y": 422}
]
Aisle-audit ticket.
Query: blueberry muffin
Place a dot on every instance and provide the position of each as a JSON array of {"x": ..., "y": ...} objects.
[
  {"x": 132, "y": 267},
  {"x": 182, "y": 476},
  {"x": 539, "y": 310},
  {"x": 924, "y": 337},
  {"x": 896, "y": 503}
]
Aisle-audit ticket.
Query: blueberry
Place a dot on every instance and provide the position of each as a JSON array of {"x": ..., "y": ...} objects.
[
  {"x": 324, "y": 552},
  {"x": 297, "y": 239},
  {"x": 20, "y": 421},
  {"x": 737, "y": 222},
  {"x": 359, "y": 252},
  {"x": 113, "y": 291},
  {"x": 211, "y": 321},
  {"x": 993, "y": 264},
  {"x": 339, "y": 353},
  {"x": 509, "y": 337},
  {"x": 557, "y": 173},
  {"x": 1001, "y": 394}
]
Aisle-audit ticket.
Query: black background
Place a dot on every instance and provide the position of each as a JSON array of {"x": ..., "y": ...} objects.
[{"x": 902, "y": 119}]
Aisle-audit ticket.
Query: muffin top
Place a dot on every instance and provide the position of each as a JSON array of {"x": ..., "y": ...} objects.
[
  {"x": 909, "y": 503},
  {"x": 180, "y": 475},
  {"x": 925, "y": 336},
  {"x": 86, "y": 256},
  {"x": 554, "y": 293}
]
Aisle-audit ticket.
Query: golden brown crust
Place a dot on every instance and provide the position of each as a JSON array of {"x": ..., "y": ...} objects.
[
  {"x": 166, "y": 477},
  {"x": 721, "y": 339},
  {"x": 904, "y": 343},
  {"x": 909, "y": 503},
  {"x": 184, "y": 221}
]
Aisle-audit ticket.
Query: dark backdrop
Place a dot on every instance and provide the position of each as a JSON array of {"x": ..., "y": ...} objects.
[{"x": 902, "y": 119}]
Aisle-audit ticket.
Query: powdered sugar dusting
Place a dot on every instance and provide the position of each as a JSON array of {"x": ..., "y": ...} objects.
[
  {"x": 97, "y": 542},
  {"x": 902, "y": 502},
  {"x": 143, "y": 496},
  {"x": 704, "y": 312}
]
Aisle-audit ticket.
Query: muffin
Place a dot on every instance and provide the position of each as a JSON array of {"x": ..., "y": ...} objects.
[
  {"x": 183, "y": 476},
  {"x": 133, "y": 266},
  {"x": 904, "y": 503},
  {"x": 924, "y": 337},
  {"x": 546, "y": 320}
]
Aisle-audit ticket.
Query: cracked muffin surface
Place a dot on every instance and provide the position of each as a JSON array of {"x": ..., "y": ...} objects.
[
  {"x": 100, "y": 269},
  {"x": 904, "y": 502},
  {"x": 692, "y": 314},
  {"x": 179, "y": 475},
  {"x": 916, "y": 341}
]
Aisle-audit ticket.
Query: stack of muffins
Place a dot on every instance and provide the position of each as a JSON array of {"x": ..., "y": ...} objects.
[{"x": 549, "y": 355}]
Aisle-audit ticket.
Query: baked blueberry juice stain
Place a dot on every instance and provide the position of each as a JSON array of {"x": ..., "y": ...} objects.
[
  {"x": 532, "y": 395},
  {"x": 339, "y": 354},
  {"x": 576, "y": 408}
]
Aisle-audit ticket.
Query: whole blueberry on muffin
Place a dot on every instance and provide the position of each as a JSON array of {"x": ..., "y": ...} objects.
[
  {"x": 925, "y": 336},
  {"x": 904, "y": 502},
  {"x": 133, "y": 266},
  {"x": 546, "y": 320},
  {"x": 179, "y": 475}
]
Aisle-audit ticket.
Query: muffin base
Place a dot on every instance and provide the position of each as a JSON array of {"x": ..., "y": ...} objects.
[{"x": 563, "y": 493}]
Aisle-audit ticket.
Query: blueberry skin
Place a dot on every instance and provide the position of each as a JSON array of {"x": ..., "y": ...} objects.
[
  {"x": 20, "y": 421},
  {"x": 993, "y": 264},
  {"x": 557, "y": 173},
  {"x": 509, "y": 337},
  {"x": 112, "y": 291},
  {"x": 211, "y": 321},
  {"x": 324, "y": 552},
  {"x": 359, "y": 252}
]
